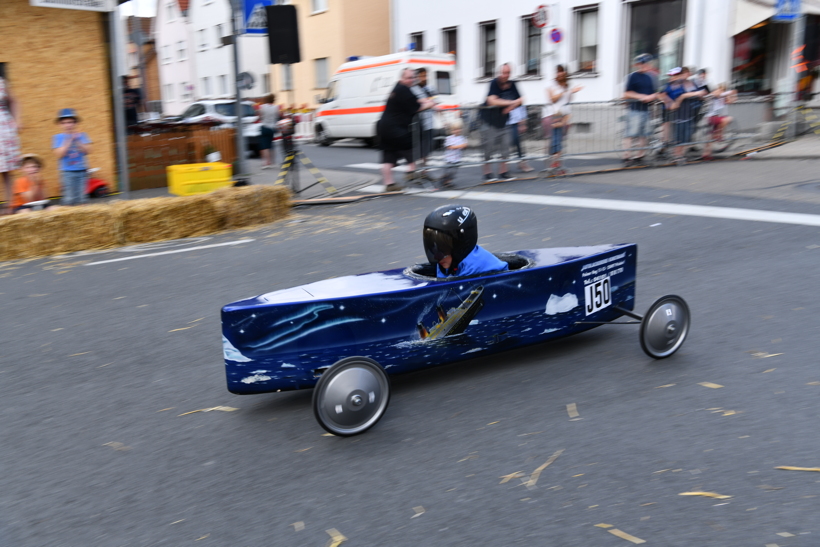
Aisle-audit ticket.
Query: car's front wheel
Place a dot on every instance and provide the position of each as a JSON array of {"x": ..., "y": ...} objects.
[{"x": 351, "y": 396}]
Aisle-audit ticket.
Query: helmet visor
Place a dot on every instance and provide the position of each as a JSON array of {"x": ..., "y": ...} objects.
[{"x": 437, "y": 245}]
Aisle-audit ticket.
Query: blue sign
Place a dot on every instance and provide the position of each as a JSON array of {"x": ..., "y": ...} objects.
[
  {"x": 786, "y": 10},
  {"x": 555, "y": 35},
  {"x": 256, "y": 20}
]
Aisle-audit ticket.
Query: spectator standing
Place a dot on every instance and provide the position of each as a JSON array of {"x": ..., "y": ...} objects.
[
  {"x": 132, "y": 101},
  {"x": 454, "y": 147},
  {"x": 517, "y": 124},
  {"x": 680, "y": 97},
  {"x": 640, "y": 92},
  {"x": 71, "y": 147},
  {"x": 557, "y": 115},
  {"x": 502, "y": 98},
  {"x": 425, "y": 135},
  {"x": 269, "y": 116},
  {"x": 9, "y": 141},
  {"x": 701, "y": 83},
  {"x": 393, "y": 128}
]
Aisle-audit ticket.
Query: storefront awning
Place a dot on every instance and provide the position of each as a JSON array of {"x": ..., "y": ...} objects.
[{"x": 749, "y": 13}]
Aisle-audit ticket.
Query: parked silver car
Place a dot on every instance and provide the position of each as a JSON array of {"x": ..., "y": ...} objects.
[{"x": 224, "y": 111}]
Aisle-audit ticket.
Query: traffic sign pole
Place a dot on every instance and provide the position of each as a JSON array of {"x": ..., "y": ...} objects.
[{"x": 236, "y": 13}]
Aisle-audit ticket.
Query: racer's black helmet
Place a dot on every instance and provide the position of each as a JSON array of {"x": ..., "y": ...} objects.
[{"x": 450, "y": 230}]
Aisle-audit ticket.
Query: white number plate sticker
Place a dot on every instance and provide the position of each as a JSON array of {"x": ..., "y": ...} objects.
[{"x": 597, "y": 296}]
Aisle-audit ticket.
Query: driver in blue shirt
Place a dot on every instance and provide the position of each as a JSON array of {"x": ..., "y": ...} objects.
[{"x": 450, "y": 237}]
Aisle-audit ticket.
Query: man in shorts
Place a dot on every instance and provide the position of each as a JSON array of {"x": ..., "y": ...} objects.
[
  {"x": 502, "y": 98},
  {"x": 640, "y": 93},
  {"x": 393, "y": 128}
]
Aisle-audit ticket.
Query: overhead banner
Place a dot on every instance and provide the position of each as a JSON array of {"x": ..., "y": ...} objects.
[{"x": 86, "y": 5}]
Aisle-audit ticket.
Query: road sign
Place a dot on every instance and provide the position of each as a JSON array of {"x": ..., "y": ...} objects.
[
  {"x": 541, "y": 16},
  {"x": 555, "y": 35},
  {"x": 256, "y": 19},
  {"x": 88, "y": 5},
  {"x": 786, "y": 10},
  {"x": 244, "y": 80}
]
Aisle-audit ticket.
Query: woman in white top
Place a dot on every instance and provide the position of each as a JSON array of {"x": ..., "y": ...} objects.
[
  {"x": 269, "y": 114},
  {"x": 556, "y": 114}
]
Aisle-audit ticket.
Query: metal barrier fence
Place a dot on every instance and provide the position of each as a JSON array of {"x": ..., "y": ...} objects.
[{"x": 603, "y": 131}]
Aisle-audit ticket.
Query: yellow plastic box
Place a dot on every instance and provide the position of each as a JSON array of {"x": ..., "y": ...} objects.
[{"x": 198, "y": 178}]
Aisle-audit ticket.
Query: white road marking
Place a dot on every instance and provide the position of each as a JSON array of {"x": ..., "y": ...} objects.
[
  {"x": 227, "y": 243},
  {"x": 729, "y": 213},
  {"x": 431, "y": 162}
]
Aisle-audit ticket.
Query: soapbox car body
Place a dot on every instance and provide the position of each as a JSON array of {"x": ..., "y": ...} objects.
[{"x": 344, "y": 336}]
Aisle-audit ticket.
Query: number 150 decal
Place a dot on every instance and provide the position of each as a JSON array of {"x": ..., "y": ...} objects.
[{"x": 597, "y": 296}]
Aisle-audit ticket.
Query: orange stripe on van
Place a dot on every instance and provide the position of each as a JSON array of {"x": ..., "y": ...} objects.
[
  {"x": 430, "y": 62},
  {"x": 386, "y": 63},
  {"x": 362, "y": 110},
  {"x": 396, "y": 62}
]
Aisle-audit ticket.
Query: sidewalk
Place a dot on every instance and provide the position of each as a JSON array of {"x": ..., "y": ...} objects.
[
  {"x": 806, "y": 147},
  {"x": 344, "y": 181}
]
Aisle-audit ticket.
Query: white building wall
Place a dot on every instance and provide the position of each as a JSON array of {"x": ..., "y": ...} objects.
[
  {"x": 708, "y": 41},
  {"x": 216, "y": 61},
  {"x": 176, "y": 75}
]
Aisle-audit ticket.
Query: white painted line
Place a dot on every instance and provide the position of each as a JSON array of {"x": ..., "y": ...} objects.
[
  {"x": 729, "y": 213},
  {"x": 227, "y": 243},
  {"x": 376, "y": 167}
]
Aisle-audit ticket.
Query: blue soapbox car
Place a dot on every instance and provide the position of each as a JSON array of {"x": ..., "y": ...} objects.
[{"x": 344, "y": 336}]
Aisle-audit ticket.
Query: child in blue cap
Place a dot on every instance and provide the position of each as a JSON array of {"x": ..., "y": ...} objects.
[{"x": 71, "y": 148}]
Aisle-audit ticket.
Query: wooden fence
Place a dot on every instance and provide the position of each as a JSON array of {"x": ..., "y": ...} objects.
[{"x": 151, "y": 151}]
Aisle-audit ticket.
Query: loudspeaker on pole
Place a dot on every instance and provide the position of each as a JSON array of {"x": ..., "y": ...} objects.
[{"x": 283, "y": 35}]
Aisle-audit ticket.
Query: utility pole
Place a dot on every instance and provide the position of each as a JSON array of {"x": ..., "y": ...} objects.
[
  {"x": 116, "y": 89},
  {"x": 236, "y": 25}
]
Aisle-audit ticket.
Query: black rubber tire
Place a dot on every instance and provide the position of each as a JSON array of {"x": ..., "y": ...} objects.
[
  {"x": 665, "y": 326},
  {"x": 322, "y": 139},
  {"x": 352, "y": 385}
]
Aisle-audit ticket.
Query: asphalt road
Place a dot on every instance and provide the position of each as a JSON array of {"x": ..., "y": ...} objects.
[{"x": 102, "y": 365}]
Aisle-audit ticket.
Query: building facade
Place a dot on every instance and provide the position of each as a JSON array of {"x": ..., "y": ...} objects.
[
  {"x": 330, "y": 31},
  {"x": 51, "y": 67},
  {"x": 596, "y": 41},
  {"x": 177, "y": 76},
  {"x": 194, "y": 63},
  {"x": 141, "y": 61}
]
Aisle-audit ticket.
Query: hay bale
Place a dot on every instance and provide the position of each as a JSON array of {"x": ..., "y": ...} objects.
[
  {"x": 55, "y": 231},
  {"x": 251, "y": 205},
  {"x": 156, "y": 219}
]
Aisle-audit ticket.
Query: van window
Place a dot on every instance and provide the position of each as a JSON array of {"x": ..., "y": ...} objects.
[
  {"x": 331, "y": 91},
  {"x": 443, "y": 85}
]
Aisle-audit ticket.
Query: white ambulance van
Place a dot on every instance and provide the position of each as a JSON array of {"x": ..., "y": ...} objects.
[{"x": 358, "y": 91}]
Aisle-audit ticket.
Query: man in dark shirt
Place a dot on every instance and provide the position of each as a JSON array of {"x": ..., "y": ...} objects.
[
  {"x": 132, "y": 101},
  {"x": 640, "y": 92},
  {"x": 393, "y": 129},
  {"x": 502, "y": 98}
]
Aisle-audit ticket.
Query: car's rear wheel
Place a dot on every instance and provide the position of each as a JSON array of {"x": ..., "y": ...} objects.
[
  {"x": 351, "y": 396},
  {"x": 665, "y": 326}
]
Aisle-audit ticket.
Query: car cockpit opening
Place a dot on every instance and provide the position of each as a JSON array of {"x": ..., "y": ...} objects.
[{"x": 427, "y": 270}]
